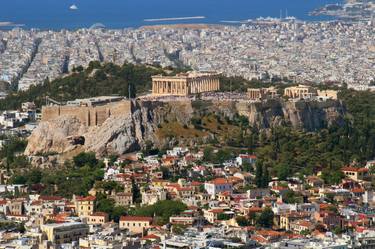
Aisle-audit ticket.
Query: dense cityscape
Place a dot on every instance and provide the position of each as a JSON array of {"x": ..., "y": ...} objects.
[
  {"x": 321, "y": 52},
  {"x": 251, "y": 134}
]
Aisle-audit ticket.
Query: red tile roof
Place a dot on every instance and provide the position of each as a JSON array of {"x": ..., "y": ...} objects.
[
  {"x": 87, "y": 198},
  {"x": 216, "y": 211},
  {"x": 150, "y": 237},
  {"x": 358, "y": 190},
  {"x": 248, "y": 156},
  {"x": 36, "y": 203},
  {"x": 135, "y": 218},
  {"x": 196, "y": 183},
  {"x": 101, "y": 214},
  {"x": 219, "y": 181},
  {"x": 255, "y": 209},
  {"x": 354, "y": 169},
  {"x": 304, "y": 223},
  {"x": 272, "y": 233}
]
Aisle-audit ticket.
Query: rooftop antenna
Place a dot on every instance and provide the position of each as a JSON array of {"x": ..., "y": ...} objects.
[
  {"x": 286, "y": 13},
  {"x": 281, "y": 14}
]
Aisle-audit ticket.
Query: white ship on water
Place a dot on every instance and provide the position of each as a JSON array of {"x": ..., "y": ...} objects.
[{"x": 73, "y": 7}]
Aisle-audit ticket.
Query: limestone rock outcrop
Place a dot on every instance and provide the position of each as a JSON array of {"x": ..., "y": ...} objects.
[
  {"x": 55, "y": 136},
  {"x": 132, "y": 131}
]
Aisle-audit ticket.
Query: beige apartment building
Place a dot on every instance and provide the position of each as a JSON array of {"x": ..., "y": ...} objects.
[
  {"x": 135, "y": 224},
  {"x": 185, "y": 84},
  {"x": 98, "y": 218},
  {"x": 123, "y": 199},
  {"x": 85, "y": 205},
  {"x": 68, "y": 232},
  {"x": 356, "y": 174}
]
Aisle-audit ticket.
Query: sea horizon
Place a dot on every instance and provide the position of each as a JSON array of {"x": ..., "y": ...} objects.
[{"x": 114, "y": 14}]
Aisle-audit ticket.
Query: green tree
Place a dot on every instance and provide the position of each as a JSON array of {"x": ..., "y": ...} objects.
[
  {"x": 242, "y": 221},
  {"x": 85, "y": 158},
  {"x": 166, "y": 172},
  {"x": 223, "y": 216},
  {"x": 34, "y": 176},
  {"x": 178, "y": 229},
  {"x": 291, "y": 197},
  {"x": 18, "y": 179},
  {"x": 104, "y": 204},
  {"x": 265, "y": 177},
  {"x": 163, "y": 210},
  {"x": 332, "y": 176},
  {"x": 117, "y": 212},
  {"x": 109, "y": 186},
  {"x": 247, "y": 167},
  {"x": 265, "y": 219},
  {"x": 137, "y": 197},
  {"x": 208, "y": 154},
  {"x": 259, "y": 174},
  {"x": 283, "y": 172}
]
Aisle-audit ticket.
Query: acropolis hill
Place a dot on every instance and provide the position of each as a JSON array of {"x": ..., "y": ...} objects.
[
  {"x": 128, "y": 125},
  {"x": 95, "y": 111}
]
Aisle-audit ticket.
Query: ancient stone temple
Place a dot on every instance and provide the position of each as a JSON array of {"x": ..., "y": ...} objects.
[{"x": 185, "y": 84}]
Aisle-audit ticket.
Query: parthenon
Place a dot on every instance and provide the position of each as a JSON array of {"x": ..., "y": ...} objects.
[{"x": 185, "y": 84}]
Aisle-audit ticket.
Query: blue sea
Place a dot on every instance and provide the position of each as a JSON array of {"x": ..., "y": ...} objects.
[{"x": 55, "y": 14}]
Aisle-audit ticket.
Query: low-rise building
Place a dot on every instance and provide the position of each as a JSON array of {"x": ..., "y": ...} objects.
[
  {"x": 212, "y": 214},
  {"x": 355, "y": 173},
  {"x": 287, "y": 219},
  {"x": 153, "y": 196},
  {"x": 98, "y": 218},
  {"x": 218, "y": 185},
  {"x": 85, "y": 205},
  {"x": 68, "y": 232},
  {"x": 123, "y": 199},
  {"x": 246, "y": 158},
  {"x": 135, "y": 224}
]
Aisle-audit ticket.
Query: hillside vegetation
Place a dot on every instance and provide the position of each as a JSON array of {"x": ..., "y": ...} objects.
[
  {"x": 97, "y": 80},
  {"x": 106, "y": 79}
]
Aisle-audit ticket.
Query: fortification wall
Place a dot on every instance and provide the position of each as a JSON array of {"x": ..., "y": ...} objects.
[
  {"x": 89, "y": 116},
  {"x": 50, "y": 112}
]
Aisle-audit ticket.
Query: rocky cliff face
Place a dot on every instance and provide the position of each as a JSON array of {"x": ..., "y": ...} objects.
[
  {"x": 309, "y": 116},
  {"x": 122, "y": 134}
]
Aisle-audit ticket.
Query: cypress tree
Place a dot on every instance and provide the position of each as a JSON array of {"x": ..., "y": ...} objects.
[
  {"x": 259, "y": 174},
  {"x": 265, "y": 177}
]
